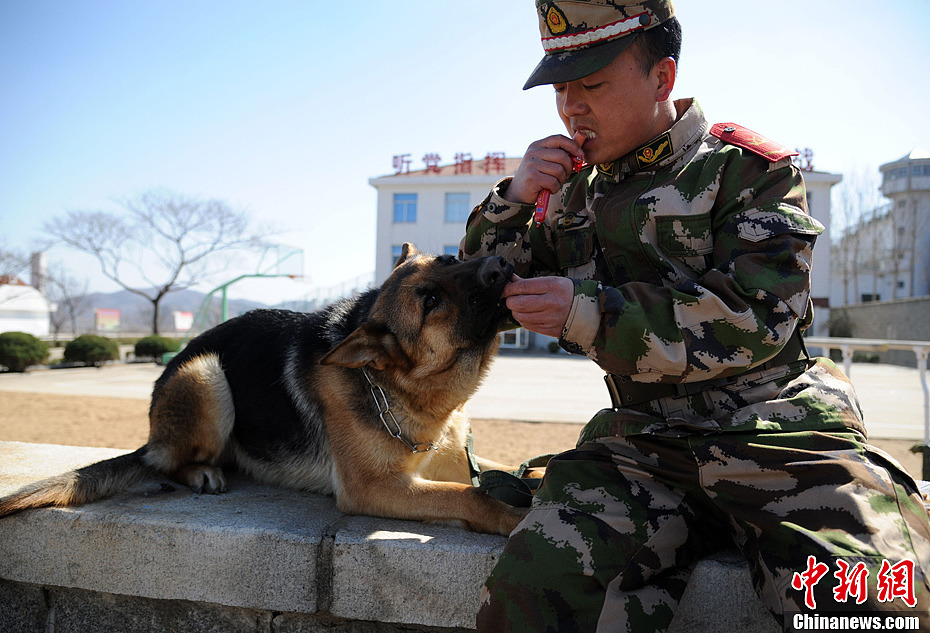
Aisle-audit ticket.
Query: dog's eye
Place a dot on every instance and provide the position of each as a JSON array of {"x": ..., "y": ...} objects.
[{"x": 430, "y": 301}]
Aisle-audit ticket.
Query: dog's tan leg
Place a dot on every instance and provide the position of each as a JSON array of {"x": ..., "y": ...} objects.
[
  {"x": 419, "y": 499},
  {"x": 450, "y": 461},
  {"x": 190, "y": 420},
  {"x": 487, "y": 464},
  {"x": 448, "y": 464}
]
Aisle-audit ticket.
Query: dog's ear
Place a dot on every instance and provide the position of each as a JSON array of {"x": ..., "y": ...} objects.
[
  {"x": 371, "y": 345},
  {"x": 407, "y": 251}
]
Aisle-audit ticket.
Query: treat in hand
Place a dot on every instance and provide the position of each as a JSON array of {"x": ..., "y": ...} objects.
[{"x": 542, "y": 201}]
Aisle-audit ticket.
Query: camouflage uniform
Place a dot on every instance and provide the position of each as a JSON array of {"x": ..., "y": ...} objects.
[{"x": 691, "y": 264}]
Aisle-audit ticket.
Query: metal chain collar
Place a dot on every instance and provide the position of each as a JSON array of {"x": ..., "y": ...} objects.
[{"x": 384, "y": 412}]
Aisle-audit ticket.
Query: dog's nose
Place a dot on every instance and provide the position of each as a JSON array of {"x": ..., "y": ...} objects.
[{"x": 493, "y": 271}]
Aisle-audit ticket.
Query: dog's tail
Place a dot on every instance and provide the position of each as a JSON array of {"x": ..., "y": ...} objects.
[{"x": 84, "y": 485}]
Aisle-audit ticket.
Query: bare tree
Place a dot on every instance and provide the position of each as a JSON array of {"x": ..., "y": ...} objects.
[
  {"x": 916, "y": 226},
  {"x": 12, "y": 266},
  {"x": 163, "y": 242},
  {"x": 12, "y": 263},
  {"x": 855, "y": 217},
  {"x": 69, "y": 296},
  {"x": 878, "y": 250},
  {"x": 898, "y": 219},
  {"x": 845, "y": 246}
]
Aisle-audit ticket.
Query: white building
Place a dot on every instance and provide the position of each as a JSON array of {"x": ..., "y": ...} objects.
[
  {"x": 23, "y": 308},
  {"x": 818, "y": 185},
  {"x": 887, "y": 253},
  {"x": 429, "y": 208}
]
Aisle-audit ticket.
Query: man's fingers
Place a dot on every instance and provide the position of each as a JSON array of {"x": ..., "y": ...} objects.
[
  {"x": 536, "y": 286},
  {"x": 540, "y": 304},
  {"x": 546, "y": 164}
]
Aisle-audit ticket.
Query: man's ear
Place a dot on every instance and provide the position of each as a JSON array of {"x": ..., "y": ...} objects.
[
  {"x": 407, "y": 251},
  {"x": 371, "y": 345},
  {"x": 664, "y": 71}
]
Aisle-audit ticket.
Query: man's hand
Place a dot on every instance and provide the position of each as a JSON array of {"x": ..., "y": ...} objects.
[
  {"x": 541, "y": 304},
  {"x": 546, "y": 164}
]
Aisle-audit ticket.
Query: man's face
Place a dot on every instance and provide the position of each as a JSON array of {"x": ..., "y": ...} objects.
[{"x": 618, "y": 104}]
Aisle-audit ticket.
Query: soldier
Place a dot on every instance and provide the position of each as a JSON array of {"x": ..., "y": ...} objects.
[{"x": 678, "y": 259}]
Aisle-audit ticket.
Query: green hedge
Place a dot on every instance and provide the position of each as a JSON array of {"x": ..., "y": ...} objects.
[
  {"x": 19, "y": 350},
  {"x": 155, "y": 346},
  {"x": 91, "y": 349}
]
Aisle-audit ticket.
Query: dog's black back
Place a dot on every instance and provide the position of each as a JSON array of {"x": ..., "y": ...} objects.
[{"x": 268, "y": 356}]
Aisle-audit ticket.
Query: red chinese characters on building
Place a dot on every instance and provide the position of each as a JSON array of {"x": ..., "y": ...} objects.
[
  {"x": 494, "y": 163},
  {"x": 432, "y": 163},
  {"x": 462, "y": 163},
  {"x": 804, "y": 160},
  {"x": 402, "y": 164}
]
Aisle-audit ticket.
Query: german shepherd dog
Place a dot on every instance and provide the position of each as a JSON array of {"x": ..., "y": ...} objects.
[{"x": 362, "y": 400}]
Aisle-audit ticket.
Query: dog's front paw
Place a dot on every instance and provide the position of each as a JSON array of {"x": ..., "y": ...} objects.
[{"x": 202, "y": 478}]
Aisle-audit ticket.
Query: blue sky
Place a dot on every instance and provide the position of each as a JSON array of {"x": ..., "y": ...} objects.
[{"x": 285, "y": 109}]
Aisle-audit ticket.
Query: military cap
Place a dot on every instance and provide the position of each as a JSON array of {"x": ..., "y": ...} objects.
[{"x": 582, "y": 36}]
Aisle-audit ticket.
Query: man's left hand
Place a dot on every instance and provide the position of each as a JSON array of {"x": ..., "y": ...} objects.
[{"x": 541, "y": 304}]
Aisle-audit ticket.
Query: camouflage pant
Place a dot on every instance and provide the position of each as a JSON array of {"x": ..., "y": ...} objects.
[{"x": 620, "y": 521}]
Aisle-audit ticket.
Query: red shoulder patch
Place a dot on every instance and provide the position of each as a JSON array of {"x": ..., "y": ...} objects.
[{"x": 755, "y": 143}]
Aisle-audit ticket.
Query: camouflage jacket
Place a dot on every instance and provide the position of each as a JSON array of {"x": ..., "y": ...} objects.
[{"x": 691, "y": 256}]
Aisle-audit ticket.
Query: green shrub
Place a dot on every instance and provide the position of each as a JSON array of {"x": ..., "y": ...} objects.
[
  {"x": 91, "y": 349},
  {"x": 860, "y": 356},
  {"x": 18, "y": 350},
  {"x": 154, "y": 346}
]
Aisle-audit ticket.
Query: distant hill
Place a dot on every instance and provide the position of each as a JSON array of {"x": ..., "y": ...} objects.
[{"x": 136, "y": 311}]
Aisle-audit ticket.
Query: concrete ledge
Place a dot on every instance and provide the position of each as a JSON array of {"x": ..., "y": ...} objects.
[{"x": 260, "y": 559}]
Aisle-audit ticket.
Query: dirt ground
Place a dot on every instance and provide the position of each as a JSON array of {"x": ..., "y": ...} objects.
[{"x": 123, "y": 423}]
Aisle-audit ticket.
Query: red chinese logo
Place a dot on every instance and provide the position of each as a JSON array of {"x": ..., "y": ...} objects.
[
  {"x": 897, "y": 581},
  {"x": 807, "y": 579},
  {"x": 893, "y": 581},
  {"x": 852, "y": 582}
]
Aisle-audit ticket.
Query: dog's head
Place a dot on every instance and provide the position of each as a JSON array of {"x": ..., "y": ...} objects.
[{"x": 434, "y": 318}]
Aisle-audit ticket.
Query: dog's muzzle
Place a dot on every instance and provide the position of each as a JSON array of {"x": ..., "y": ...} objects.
[{"x": 494, "y": 271}]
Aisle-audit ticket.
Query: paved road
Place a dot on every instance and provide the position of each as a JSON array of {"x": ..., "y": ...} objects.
[
  {"x": 534, "y": 388},
  {"x": 892, "y": 397}
]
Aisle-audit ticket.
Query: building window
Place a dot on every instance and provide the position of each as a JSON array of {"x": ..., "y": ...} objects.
[
  {"x": 457, "y": 207},
  {"x": 900, "y": 172},
  {"x": 514, "y": 339},
  {"x": 405, "y": 207},
  {"x": 396, "y": 250},
  {"x": 451, "y": 250}
]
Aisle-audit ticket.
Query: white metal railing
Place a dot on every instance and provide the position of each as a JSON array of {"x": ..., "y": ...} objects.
[{"x": 848, "y": 345}]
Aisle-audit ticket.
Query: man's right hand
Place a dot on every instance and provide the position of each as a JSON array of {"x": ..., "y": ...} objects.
[{"x": 547, "y": 164}]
